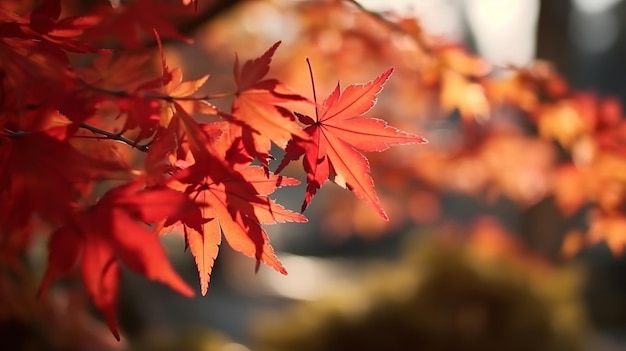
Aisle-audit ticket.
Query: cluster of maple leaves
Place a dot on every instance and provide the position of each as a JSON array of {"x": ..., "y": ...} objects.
[
  {"x": 517, "y": 132},
  {"x": 68, "y": 103},
  {"x": 103, "y": 150}
]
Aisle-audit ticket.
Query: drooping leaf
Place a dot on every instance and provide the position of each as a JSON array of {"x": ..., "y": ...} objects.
[
  {"x": 336, "y": 135},
  {"x": 115, "y": 231},
  {"x": 237, "y": 207},
  {"x": 43, "y": 175}
]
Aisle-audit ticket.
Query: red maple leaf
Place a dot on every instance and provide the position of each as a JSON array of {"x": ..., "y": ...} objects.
[
  {"x": 335, "y": 136},
  {"x": 237, "y": 207},
  {"x": 193, "y": 2},
  {"x": 43, "y": 24},
  {"x": 112, "y": 231},
  {"x": 257, "y": 106},
  {"x": 34, "y": 149},
  {"x": 136, "y": 20}
]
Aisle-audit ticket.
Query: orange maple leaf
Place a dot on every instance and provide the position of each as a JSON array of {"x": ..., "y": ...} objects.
[
  {"x": 256, "y": 105},
  {"x": 181, "y": 91},
  {"x": 237, "y": 207},
  {"x": 183, "y": 138},
  {"x": 335, "y": 136}
]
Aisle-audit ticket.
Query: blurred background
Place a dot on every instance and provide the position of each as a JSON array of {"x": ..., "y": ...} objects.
[
  {"x": 459, "y": 186},
  {"x": 495, "y": 240}
]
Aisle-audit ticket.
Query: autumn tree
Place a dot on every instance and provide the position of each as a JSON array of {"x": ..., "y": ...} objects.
[
  {"x": 105, "y": 146},
  {"x": 62, "y": 176}
]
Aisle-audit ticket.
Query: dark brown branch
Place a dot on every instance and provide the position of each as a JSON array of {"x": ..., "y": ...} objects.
[{"x": 115, "y": 136}]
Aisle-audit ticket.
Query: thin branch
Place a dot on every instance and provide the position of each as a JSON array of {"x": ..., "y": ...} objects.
[
  {"x": 205, "y": 98},
  {"x": 155, "y": 96},
  {"x": 419, "y": 40},
  {"x": 392, "y": 26},
  {"x": 115, "y": 136}
]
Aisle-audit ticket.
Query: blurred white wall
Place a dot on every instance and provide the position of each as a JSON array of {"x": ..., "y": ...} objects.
[
  {"x": 438, "y": 17},
  {"x": 593, "y": 26},
  {"x": 504, "y": 30}
]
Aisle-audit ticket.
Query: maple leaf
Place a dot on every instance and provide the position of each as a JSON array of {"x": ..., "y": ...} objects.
[
  {"x": 182, "y": 134},
  {"x": 193, "y": 2},
  {"x": 184, "y": 139},
  {"x": 46, "y": 183},
  {"x": 128, "y": 22},
  {"x": 181, "y": 91},
  {"x": 121, "y": 85},
  {"x": 114, "y": 230},
  {"x": 610, "y": 229},
  {"x": 256, "y": 105},
  {"x": 43, "y": 24},
  {"x": 336, "y": 135},
  {"x": 120, "y": 72},
  {"x": 469, "y": 98},
  {"x": 200, "y": 144},
  {"x": 158, "y": 162},
  {"x": 175, "y": 88},
  {"x": 45, "y": 20},
  {"x": 237, "y": 206},
  {"x": 26, "y": 61}
]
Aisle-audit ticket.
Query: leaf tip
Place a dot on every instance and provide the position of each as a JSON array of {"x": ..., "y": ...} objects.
[
  {"x": 111, "y": 322},
  {"x": 418, "y": 139},
  {"x": 275, "y": 46},
  {"x": 383, "y": 215},
  {"x": 187, "y": 291},
  {"x": 384, "y": 77},
  {"x": 257, "y": 266}
]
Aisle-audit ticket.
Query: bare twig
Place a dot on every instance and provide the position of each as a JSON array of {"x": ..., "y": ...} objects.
[
  {"x": 115, "y": 136},
  {"x": 419, "y": 40}
]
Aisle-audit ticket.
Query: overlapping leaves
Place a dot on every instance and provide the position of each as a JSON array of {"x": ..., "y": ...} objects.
[{"x": 197, "y": 178}]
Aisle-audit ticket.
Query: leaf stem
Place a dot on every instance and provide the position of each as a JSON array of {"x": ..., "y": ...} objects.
[
  {"x": 308, "y": 62},
  {"x": 170, "y": 98},
  {"x": 219, "y": 96},
  {"x": 115, "y": 136}
]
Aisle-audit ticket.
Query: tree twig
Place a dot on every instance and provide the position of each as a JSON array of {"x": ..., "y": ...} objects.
[
  {"x": 420, "y": 41},
  {"x": 115, "y": 136},
  {"x": 427, "y": 49}
]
